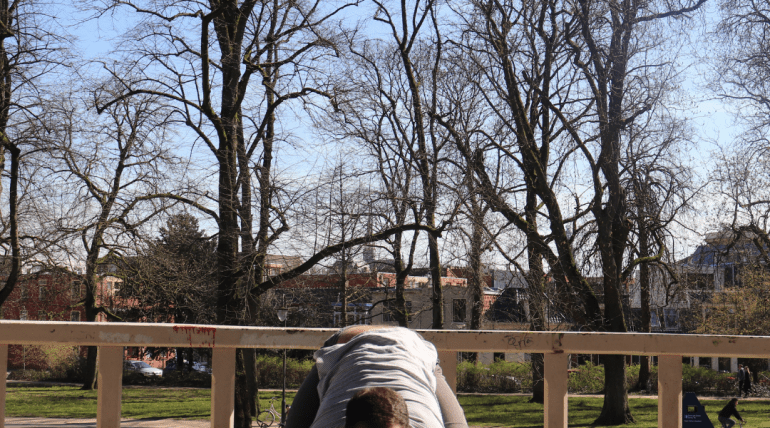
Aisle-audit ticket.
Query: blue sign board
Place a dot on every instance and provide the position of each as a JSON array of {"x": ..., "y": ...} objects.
[{"x": 693, "y": 413}]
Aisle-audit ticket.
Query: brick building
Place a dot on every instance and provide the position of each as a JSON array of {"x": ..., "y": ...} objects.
[{"x": 46, "y": 295}]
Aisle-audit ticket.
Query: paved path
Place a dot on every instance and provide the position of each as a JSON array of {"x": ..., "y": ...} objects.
[{"x": 91, "y": 423}]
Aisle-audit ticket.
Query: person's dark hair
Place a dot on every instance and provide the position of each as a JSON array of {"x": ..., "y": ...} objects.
[{"x": 376, "y": 408}]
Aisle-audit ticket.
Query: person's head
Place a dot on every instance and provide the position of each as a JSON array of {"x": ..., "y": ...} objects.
[
  {"x": 376, "y": 408},
  {"x": 740, "y": 366},
  {"x": 746, "y": 369},
  {"x": 734, "y": 402}
]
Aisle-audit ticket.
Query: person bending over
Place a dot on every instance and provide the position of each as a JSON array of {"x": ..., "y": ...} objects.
[
  {"x": 364, "y": 356},
  {"x": 727, "y": 411},
  {"x": 378, "y": 407}
]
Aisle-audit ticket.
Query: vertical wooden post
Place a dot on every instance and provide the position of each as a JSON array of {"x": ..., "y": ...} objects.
[
  {"x": 223, "y": 388},
  {"x": 556, "y": 383},
  {"x": 110, "y": 386},
  {"x": 448, "y": 361},
  {"x": 670, "y": 391},
  {"x": 3, "y": 372}
]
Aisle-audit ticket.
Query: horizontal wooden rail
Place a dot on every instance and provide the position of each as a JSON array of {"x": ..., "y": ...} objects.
[
  {"x": 209, "y": 336},
  {"x": 223, "y": 340}
]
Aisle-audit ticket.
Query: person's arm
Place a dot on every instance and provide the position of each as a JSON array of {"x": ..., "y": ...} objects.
[
  {"x": 737, "y": 415},
  {"x": 306, "y": 402},
  {"x": 451, "y": 411}
]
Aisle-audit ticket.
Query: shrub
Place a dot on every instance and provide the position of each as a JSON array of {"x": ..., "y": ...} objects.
[
  {"x": 510, "y": 376},
  {"x": 48, "y": 362},
  {"x": 29, "y": 375},
  {"x": 586, "y": 379},
  {"x": 270, "y": 371},
  {"x": 500, "y": 376},
  {"x": 589, "y": 379},
  {"x": 63, "y": 361}
]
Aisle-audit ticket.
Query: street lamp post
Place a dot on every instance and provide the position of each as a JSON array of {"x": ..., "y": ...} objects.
[{"x": 283, "y": 313}]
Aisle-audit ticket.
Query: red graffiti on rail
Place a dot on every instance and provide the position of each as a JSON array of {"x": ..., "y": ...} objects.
[{"x": 199, "y": 332}]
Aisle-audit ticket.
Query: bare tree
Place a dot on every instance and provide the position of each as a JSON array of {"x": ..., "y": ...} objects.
[
  {"x": 117, "y": 169},
  {"x": 414, "y": 37},
  {"x": 511, "y": 155},
  {"x": 370, "y": 114},
  {"x": 32, "y": 48},
  {"x": 228, "y": 67},
  {"x": 346, "y": 216},
  {"x": 661, "y": 188},
  {"x": 741, "y": 68},
  {"x": 555, "y": 100},
  {"x": 742, "y": 62}
]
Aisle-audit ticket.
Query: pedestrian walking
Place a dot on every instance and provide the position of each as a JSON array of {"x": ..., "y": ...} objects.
[{"x": 747, "y": 381}]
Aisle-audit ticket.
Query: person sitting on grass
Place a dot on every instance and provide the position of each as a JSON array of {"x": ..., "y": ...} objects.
[
  {"x": 365, "y": 356},
  {"x": 376, "y": 408},
  {"x": 727, "y": 411}
]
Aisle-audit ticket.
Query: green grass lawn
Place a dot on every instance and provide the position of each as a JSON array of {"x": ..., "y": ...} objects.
[
  {"x": 484, "y": 410},
  {"x": 71, "y": 402},
  {"x": 516, "y": 411},
  {"x": 138, "y": 403}
]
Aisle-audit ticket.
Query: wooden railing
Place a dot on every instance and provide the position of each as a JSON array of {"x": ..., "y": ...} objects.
[{"x": 112, "y": 337}]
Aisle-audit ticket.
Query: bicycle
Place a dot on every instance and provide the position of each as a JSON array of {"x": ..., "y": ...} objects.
[{"x": 267, "y": 417}]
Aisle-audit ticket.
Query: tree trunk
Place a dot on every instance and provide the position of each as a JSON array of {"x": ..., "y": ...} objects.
[
  {"x": 643, "y": 384},
  {"x": 615, "y": 410},
  {"x": 535, "y": 291},
  {"x": 89, "y": 372},
  {"x": 538, "y": 383},
  {"x": 401, "y": 313},
  {"x": 435, "y": 274},
  {"x": 476, "y": 280}
]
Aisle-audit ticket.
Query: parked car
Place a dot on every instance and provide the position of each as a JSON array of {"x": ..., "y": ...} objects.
[
  {"x": 143, "y": 368},
  {"x": 201, "y": 367}
]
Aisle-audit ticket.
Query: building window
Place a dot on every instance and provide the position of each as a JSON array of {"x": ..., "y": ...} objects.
[
  {"x": 671, "y": 318},
  {"x": 42, "y": 281},
  {"x": 732, "y": 276},
  {"x": 41, "y": 315},
  {"x": 700, "y": 281},
  {"x": 23, "y": 291},
  {"x": 23, "y": 315},
  {"x": 654, "y": 319},
  {"x": 355, "y": 315},
  {"x": 458, "y": 310},
  {"x": 75, "y": 291},
  {"x": 41, "y": 290},
  {"x": 75, "y": 316}
]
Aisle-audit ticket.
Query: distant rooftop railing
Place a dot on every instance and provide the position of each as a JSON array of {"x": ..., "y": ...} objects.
[{"x": 223, "y": 341}]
